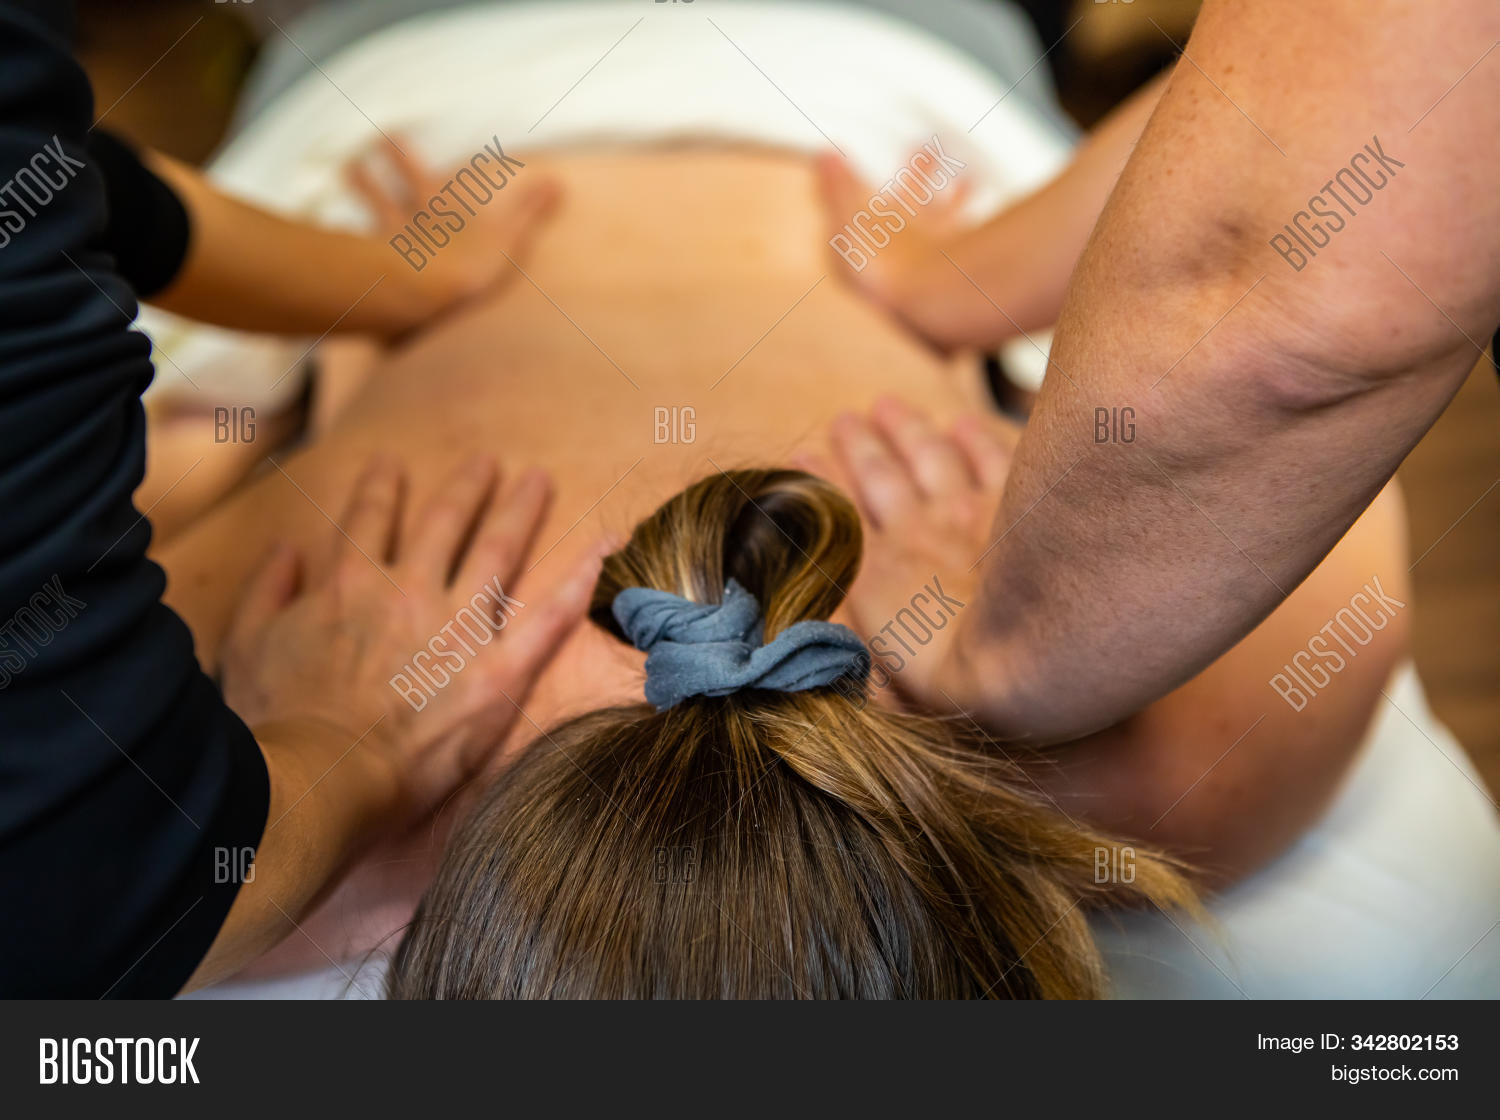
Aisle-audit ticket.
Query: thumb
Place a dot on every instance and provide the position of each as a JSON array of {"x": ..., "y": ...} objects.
[
  {"x": 844, "y": 193},
  {"x": 386, "y": 211},
  {"x": 529, "y": 649},
  {"x": 538, "y": 202},
  {"x": 523, "y": 655}
]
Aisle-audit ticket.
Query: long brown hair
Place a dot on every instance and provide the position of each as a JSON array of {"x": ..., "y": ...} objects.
[{"x": 763, "y": 844}]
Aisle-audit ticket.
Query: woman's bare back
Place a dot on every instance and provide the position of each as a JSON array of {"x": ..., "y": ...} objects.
[{"x": 677, "y": 317}]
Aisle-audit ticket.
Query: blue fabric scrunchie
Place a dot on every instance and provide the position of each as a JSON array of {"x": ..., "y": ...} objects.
[{"x": 714, "y": 649}]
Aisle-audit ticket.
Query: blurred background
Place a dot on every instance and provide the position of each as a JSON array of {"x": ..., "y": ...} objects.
[{"x": 166, "y": 73}]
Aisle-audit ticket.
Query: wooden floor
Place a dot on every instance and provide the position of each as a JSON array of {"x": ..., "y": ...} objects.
[{"x": 193, "y": 58}]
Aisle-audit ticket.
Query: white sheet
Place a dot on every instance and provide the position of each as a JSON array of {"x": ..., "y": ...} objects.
[
  {"x": 1394, "y": 894},
  {"x": 537, "y": 75}
]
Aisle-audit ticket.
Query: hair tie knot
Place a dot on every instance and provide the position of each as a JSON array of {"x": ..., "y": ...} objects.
[{"x": 715, "y": 649}]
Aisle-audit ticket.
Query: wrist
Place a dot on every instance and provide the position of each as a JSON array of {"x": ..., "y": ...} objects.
[
  {"x": 926, "y": 294},
  {"x": 398, "y": 305},
  {"x": 382, "y": 294},
  {"x": 978, "y": 671},
  {"x": 345, "y": 780}
]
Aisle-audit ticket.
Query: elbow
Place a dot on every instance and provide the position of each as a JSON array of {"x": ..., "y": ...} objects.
[{"x": 1380, "y": 311}]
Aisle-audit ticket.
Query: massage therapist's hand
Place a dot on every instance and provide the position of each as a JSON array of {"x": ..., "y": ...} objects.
[
  {"x": 897, "y": 276},
  {"x": 325, "y": 645},
  {"x": 928, "y": 500},
  {"x": 477, "y": 258}
]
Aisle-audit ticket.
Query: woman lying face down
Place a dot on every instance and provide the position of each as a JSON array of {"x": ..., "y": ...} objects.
[
  {"x": 1221, "y": 772},
  {"x": 781, "y": 841}
]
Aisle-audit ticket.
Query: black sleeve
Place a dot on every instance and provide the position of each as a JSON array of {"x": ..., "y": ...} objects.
[
  {"x": 124, "y": 780},
  {"x": 147, "y": 228}
]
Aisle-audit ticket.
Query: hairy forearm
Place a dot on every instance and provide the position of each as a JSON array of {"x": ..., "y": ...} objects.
[
  {"x": 329, "y": 798},
  {"x": 1214, "y": 419},
  {"x": 249, "y": 269},
  {"x": 1008, "y": 275}
]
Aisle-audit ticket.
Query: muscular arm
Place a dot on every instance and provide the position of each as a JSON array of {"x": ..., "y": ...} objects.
[
  {"x": 1270, "y": 404},
  {"x": 1228, "y": 770}
]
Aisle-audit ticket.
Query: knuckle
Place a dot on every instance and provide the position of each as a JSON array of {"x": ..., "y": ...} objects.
[{"x": 370, "y": 503}]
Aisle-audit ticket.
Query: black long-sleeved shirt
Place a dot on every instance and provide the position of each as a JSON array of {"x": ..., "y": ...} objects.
[
  {"x": 127, "y": 789},
  {"x": 148, "y": 228}
]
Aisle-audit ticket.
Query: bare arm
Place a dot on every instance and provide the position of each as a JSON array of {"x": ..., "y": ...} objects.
[
  {"x": 1228, "y": 770},
  {"x": 989, "y": 283},
  {"x": 1225, "y": 771},
  {"x": 252, "y": 270},
  {"x": 1270, "y": 404}
]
